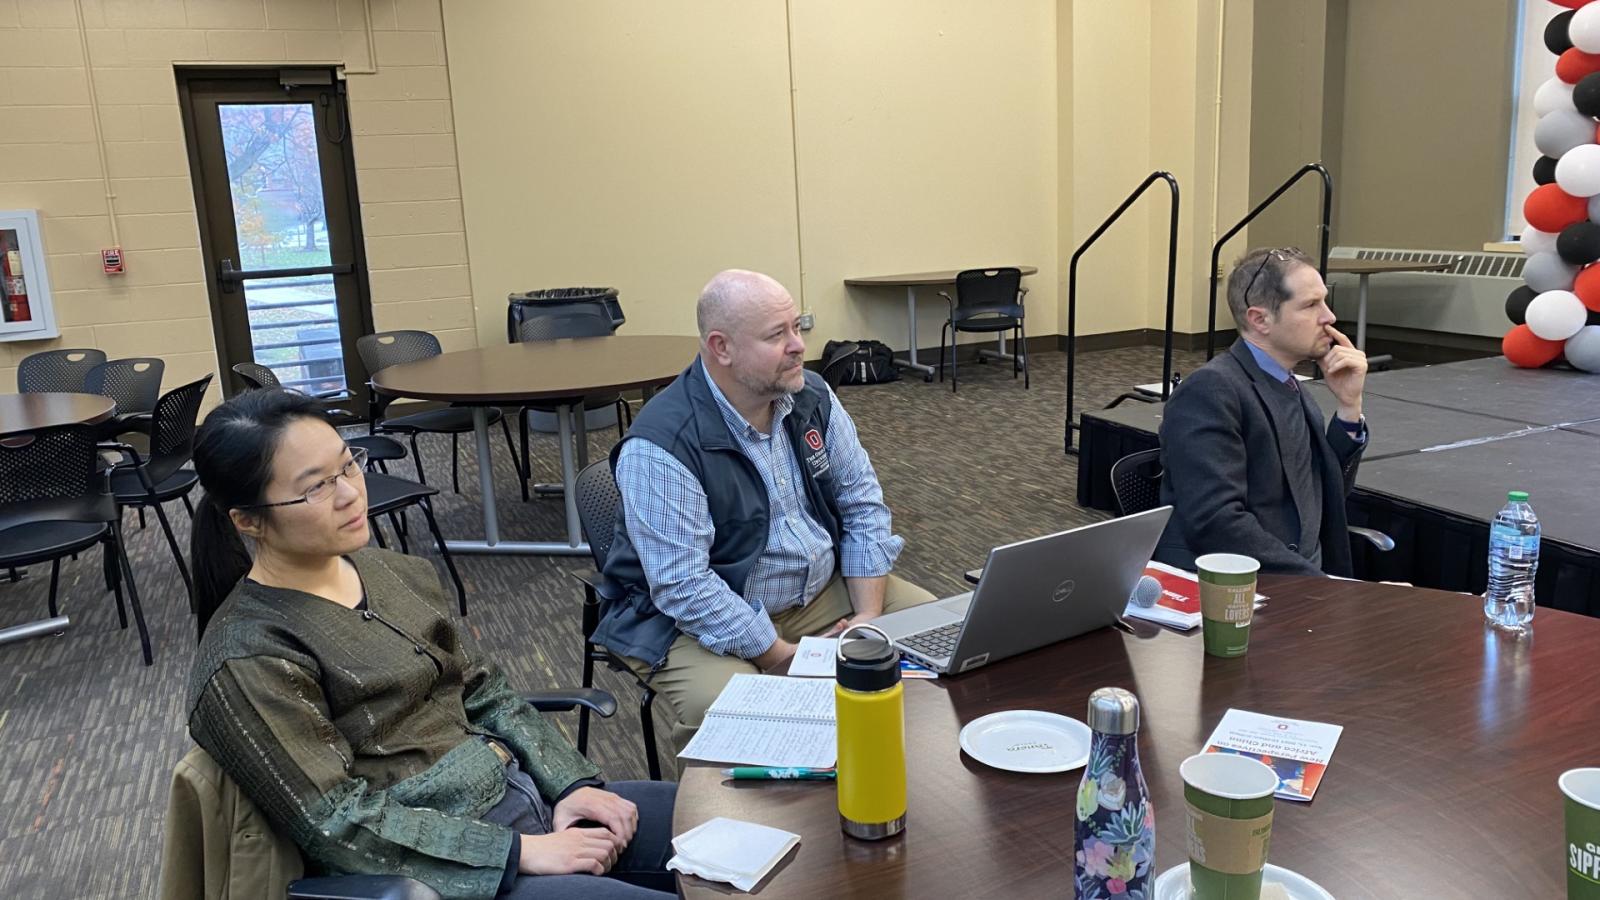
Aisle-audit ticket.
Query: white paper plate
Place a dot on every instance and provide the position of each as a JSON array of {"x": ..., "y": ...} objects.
[
  {"x": 1026, "y": 740},
  {"x": 1174, "y": 884}
]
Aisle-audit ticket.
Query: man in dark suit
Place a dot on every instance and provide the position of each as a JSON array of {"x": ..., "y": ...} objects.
[{"x": 1249, "y": 466}]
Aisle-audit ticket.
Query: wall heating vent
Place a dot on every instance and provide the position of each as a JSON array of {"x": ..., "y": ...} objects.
[{"x": 1467, "y": 298}]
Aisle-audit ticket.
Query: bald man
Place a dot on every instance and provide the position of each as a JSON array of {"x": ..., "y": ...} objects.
[{"x": 751, "y": 515}]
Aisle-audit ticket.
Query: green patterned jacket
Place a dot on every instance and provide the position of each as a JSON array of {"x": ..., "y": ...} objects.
[{"x": 362, "y": 735}]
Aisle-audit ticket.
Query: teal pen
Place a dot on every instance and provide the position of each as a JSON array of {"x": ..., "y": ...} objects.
[{"x": 767, "y": 773}]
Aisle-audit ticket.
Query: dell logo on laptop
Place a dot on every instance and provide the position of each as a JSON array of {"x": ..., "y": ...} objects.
[{"x": 1063, "y": 590}]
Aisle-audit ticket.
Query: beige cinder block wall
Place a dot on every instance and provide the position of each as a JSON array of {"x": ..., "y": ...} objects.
[
  {"x": 404, "y": 150},
  {"x": 656, "y": 143}
]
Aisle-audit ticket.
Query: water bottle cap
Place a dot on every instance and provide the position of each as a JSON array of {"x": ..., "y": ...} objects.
[
  {"x": 1518, "y": 496},
  {"x": 869, "y": 664},
  {"x": 1113, "y": 710}
]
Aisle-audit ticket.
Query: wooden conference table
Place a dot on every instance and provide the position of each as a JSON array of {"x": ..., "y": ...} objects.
[
  {"x": 1364, "y": 269},
  {"x": 1443, "y": 783},
  {"x": 911, "y": 281},
  {"x": 25, "y": 412},
  {"x": 563, "y": 372}
]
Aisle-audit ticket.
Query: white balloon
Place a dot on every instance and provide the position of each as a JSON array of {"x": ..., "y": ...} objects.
[
  {"x": 1584, "y": 29},
  {"x": 1583, "y": 348},
  {"x": 1536, "y": 241},
  {"x": 1562, "y": 130},
  {"x": 1578, "y": 171},
  {"x": 1556, "y": 315},
  {"x": 1554, "y": 94},
  {"x": 1548, "y": 272}
]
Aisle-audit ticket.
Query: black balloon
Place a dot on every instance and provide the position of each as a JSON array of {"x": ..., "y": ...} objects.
[
  {"x": 1555, "y": 34},
  {"x": 1579, "y": 244},
  {"x": 1544, "y": 170},
  {"x": 1586, "y": 94},
  {"x": 1517, "y": 304},
  {"x": 1594, "y": 317}
]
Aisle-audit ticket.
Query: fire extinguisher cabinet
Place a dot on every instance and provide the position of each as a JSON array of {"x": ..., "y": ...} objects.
[{"x": 27, "y": 310}]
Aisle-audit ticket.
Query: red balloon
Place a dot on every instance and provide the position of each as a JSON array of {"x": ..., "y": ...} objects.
[
  {"x": 1550, "y": 209},
  {"x": 1572, "y": 65},
  {"x": 1527, "y": 350},
  {"x": 1588, "y": 287},
  {"x": 1571, "y": 4}
]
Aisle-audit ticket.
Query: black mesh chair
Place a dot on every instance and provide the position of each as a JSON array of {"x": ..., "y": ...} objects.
[
  {"x": 380, "y": 450},
  {"x": 599, "y": 506},
  {"x": 549, "y": 321},
  {"x": 986, "y": 300},
  {"x": 149, "y": 481},
  {"x": 391, "y": 495},
  {"x": 65, "y": 371},
  {"x": 392, "y": 348},
  {"x": 55, "y": 502},
  {"x": 837, "y": 366},
  {"x": 1136, "y": 484},
  {"x": 135, "y": 385}
]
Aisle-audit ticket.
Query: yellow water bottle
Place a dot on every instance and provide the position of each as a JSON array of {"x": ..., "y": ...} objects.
[{"x": 869, "y": 702}]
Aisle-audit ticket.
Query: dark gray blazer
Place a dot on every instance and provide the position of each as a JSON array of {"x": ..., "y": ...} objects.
[{"x": 1225, "y": 476}]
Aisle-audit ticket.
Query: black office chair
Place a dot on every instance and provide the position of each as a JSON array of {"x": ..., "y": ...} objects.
[
  {"x": 135, "y": 384},
  {"x": 599, "y": 505},
  {"x": 837, "y": 366},
  {"x": 1136, "y": 484},
  {"x": 55, "y": 502},
  {"x": 141, "y": 481},
  {"x": 549, "y": 321},
  {"x": 381, "y": 450},
  {"x": 987, "y": 300},
  {"x": 391, "y": 495},
  {"x": 392, "y": 348},
  {"x": 64, "y": 371}
]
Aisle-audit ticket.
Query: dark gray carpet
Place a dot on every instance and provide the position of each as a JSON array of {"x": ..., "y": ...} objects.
[{"x": 90, "y": 735}]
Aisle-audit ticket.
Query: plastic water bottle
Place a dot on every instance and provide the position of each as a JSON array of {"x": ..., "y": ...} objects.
[{"x": 1513, "y": 561}]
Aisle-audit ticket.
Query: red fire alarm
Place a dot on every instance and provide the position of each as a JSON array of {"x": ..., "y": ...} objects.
[{"x": 111, "y": 261}]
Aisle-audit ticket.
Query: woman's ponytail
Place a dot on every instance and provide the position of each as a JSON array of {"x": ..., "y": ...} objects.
[{"x": 220, "y": 559}]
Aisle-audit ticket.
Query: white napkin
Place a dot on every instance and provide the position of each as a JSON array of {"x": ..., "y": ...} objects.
[{"x": 727, "y": 850}]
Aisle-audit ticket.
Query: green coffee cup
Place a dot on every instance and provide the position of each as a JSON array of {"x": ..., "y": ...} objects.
[
  {"x": 1582, "y": 790},
  {"x": 1228, "y": 808},
  {"x": 1227, "y": 601}
]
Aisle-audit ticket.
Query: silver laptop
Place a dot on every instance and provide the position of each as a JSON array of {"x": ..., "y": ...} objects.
[{"x": 1032, "y": 593}]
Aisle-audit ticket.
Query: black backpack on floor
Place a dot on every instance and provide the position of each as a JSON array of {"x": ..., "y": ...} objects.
[{"x": 872, "y": 363}]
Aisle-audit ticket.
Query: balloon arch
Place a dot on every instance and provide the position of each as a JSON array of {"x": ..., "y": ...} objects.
[{"x": 1557, "y": 311}]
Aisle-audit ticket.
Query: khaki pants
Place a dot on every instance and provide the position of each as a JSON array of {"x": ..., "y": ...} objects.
[{"x": 693, "y": 676}]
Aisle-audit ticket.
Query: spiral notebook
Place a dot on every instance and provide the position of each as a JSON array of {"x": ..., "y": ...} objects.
[{"x": 769, "y": 720}]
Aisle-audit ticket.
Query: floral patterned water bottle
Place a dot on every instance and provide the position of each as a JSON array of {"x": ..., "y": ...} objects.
[{"x": 1115, "y": 823}]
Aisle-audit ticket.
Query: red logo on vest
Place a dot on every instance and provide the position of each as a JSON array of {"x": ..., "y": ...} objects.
[{"x": 814, "y": 439}]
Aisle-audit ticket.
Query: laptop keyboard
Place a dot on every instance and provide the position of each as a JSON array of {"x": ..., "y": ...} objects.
[{"x": 936, "y": 643}]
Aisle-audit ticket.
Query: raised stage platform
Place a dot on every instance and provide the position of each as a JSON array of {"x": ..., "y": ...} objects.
[{"x": 1448, "y": 441}]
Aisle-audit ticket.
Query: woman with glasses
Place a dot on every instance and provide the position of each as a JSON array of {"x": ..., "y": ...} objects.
[{"x": 332, "y": 686}]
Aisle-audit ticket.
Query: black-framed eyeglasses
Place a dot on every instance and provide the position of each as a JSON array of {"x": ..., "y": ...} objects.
[
  {"x": 1279, "y": 255},
  {"x": 354, "y": 468}
]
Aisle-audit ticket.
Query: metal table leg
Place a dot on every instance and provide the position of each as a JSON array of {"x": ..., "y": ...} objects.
[
  {"x": 491, "y": 544},
  {"x": 1361, "y": 316},
  {"x": 910, "y": 360},
  {"x": 37, "y": 628}
]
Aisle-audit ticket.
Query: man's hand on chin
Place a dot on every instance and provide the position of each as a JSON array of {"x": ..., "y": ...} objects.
[{"x": 1344, "y": 371}]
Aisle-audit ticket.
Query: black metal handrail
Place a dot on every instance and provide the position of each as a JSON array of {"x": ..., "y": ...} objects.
[
  {"x": 1072, "y": 291},
  {"x": 1323, "y": 232}
]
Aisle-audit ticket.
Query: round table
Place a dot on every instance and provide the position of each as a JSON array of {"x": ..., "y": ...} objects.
[
  {"x": 1443, "y": 783},
  {"x": 25, "y": 412},
  {"x": 562, "y": 371}
]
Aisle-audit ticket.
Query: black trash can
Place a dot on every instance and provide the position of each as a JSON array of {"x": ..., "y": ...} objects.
[{"x": 517, "y": 304}]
